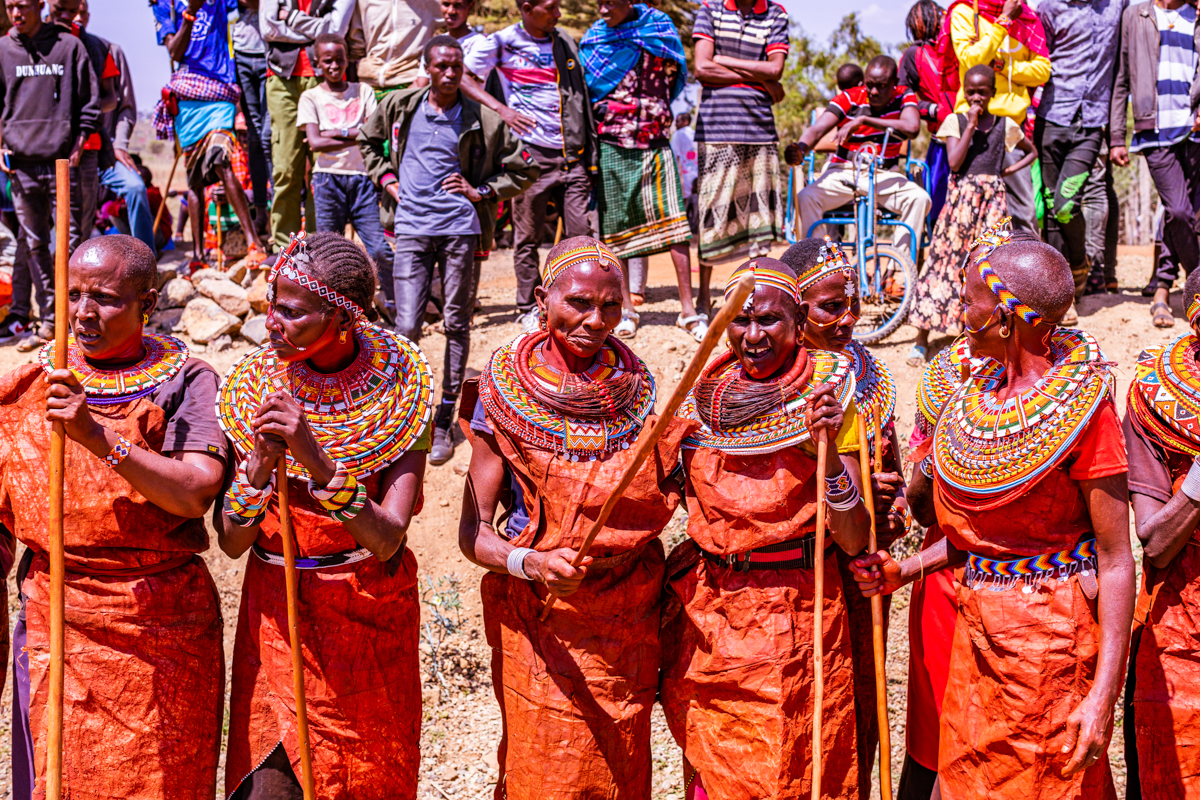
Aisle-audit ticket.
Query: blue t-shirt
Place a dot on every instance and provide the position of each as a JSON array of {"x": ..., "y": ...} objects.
[
  {"x": 210, "y": 51},
  {"x": 424, "y": 207},
  {"x": 519, "y": 517}
]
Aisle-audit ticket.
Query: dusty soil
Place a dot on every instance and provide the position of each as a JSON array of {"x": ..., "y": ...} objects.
[{"x": 462, "y": 724}]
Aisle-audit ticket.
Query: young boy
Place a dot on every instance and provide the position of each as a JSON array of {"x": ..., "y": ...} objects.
[
  {"x": 449, "y": 203},
  {"x": 546, "y": 103},
  {"x": 455, "y": 14},
  {"x": 330, "y": 114}
]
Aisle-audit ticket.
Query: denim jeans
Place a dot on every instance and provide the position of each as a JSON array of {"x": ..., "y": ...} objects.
[
  {"x": 252, "y": 77},
  {"x": 354, "y": 199},
  {"x": 415, "y": 257},
  {"x": 33, "y": 199},
  {"x": 128, "y": 185}
]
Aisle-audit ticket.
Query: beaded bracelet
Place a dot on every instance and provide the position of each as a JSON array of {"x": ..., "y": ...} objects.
[
  {"x": 244, "y": 504},
  {"x": 119, "y": 452},
  {"x": 338, "y": 493},
  {"x": 927, "y": 467},
  {"x": 839, "y": 484},
  {"x": 845, "y": 503},
  {"x": 352, "y": 509}
]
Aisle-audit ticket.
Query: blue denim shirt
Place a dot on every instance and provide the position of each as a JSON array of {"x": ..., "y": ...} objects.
[{"x": 1083, "y": 37}]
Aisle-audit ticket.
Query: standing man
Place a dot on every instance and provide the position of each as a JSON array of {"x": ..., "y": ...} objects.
[
  {"x": 740, "y": 49},
  {"x": 49, "y": 106},
  {"x": 289, "y": 28},
  {"x": 1083, "y": 39},
  {"x": 546, "y": 102},
  {"x": 250, "y": 59},
  {"x": 1008, "y": 36},
  {"x": 463, "y": 161},
  {"x": 1157, "y": 72},
  {"x": 395, "y": 34}
]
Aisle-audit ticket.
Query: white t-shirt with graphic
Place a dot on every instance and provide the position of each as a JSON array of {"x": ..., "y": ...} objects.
[
  {"x": 334, "y": 111},
  {"x": 529, "y": 78}
]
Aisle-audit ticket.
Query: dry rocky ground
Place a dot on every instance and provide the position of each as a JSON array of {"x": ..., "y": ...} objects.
[{"x": 462, "y": 725}]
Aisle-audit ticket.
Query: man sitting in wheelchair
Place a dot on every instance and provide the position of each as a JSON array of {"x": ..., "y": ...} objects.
[{"x": 862, "y": 115}]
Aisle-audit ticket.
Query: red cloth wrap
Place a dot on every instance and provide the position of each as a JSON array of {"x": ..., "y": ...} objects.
[
  {"x": 362, "y": 682},
  {"x": 144, "y": 665},
  {"x": 576, "y": 691},
  {"x": 737, "y": 683},
  {"x": 1022, "y": 662}
]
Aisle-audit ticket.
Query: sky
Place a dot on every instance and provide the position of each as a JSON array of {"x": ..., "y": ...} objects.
[{"x": 130, "y": 24}]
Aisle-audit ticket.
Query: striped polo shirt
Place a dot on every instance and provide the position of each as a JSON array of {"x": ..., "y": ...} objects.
[
  {"x": 854, "y": 103},
  {"x": 1177, "y": 59},
  {"x": 740, "y": 113}
]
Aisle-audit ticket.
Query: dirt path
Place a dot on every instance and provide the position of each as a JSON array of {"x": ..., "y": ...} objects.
[{"x": 462, "y": 722}]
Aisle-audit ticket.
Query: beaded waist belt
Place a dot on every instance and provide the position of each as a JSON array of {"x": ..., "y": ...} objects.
[
  {"x": 997, "y": 576},
  {"x": 792, "y": 554},
  {"x": 315, "y": 562}
]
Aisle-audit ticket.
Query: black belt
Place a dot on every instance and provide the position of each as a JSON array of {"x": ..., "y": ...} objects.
[{"x": 792, "y": 554}]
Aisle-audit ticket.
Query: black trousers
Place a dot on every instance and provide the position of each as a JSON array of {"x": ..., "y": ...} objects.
[
  {"x": 1067, "y": 154},
  {"x": 1176, "y": 174}
]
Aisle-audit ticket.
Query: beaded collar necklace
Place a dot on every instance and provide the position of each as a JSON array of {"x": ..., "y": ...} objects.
[
  {"x": 1164, "y": 396},
  {"x": 939, "y": 380},
  {"x": 165, "y": 356},
  {"x": 874, "y": 389}
]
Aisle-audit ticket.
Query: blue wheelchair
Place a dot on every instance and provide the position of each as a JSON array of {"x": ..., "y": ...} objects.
[{"x": 887, "y": 275}]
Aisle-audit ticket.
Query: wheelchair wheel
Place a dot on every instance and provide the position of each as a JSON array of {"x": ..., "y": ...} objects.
[{"x": 891, "y": 279}]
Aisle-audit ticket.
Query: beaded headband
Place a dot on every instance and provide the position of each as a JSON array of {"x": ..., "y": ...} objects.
[
  {"x": 989, "y": 240},
  {"x": 830, "y": 259},
  {"x": 1193, "y": 310},
  {"x": 593, "y": 251},
  {"x": 291, "y": 265},
  {"x": 764, "y": 276}
]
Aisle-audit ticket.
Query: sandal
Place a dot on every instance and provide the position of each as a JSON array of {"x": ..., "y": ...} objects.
[
  {"x": 700, "y": 321},
  {"x": 917, "y": 355},
  {"x": 1163, "y": 318},
  {"x": 254, "y": 257},
  {"x": 637, "y": 299},
  {"x": 627, "y": 327}
]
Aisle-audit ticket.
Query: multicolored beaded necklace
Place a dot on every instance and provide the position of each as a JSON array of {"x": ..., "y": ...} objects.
[
  {"x": 874, "y": 389},
  {"x": 988, "y": 453},
  {"x": 165, "y": 356},
  {"x": 939, "y": 380},
  {"x": 365, "y": 416},
  {"x": 580, "y": 415},
  {"x": 783, "y": 425},
  {"x": 1164, "y": 396}
]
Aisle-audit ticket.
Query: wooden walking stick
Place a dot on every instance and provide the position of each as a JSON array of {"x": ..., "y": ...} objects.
[
  {"x": 289, "y": 576},
  {"x": 818, "y": 610},
  {"x": 733, "y": 304},
  {"x": 166, "y": 191},
  {"x": 885, "y": 733},
  {"x": 58, "y": 445}
]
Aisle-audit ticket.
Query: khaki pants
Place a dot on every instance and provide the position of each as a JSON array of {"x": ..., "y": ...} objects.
[
  {"x": 835, "y": 187},
  {"x": 289, "y": 156}
]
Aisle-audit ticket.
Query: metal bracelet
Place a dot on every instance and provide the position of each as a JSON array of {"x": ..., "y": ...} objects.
[
  {"x": 1191, "y": 483},
  {"x": 516, "y": 562}
]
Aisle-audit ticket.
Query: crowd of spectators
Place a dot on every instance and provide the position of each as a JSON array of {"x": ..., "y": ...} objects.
[{"x": 399, "y": 118}]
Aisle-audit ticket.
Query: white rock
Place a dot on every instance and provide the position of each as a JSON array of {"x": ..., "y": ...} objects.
[
  {"x": 178, "y": 292},
  {"x": 237, "y": 272},
  {"x": 221, "y": 343},
  {"x": 255, "y": 329},
  {"x": 203, "y": 320},
  {"x": 205, "y": 273},
  {"x": 228, "y": 295},
  {"x": 167, "y": 319}
]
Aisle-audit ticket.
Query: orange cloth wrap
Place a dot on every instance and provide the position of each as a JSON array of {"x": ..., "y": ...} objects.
[
  {"x": 144, "y": 665},
  {"x": 576, "y": 691},
  {"x": 737, "y": 684},
  {"x": 362, "y": 682}
]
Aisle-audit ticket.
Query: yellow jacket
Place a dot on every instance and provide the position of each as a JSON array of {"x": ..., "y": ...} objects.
[{"x": 1022, "y": 73}]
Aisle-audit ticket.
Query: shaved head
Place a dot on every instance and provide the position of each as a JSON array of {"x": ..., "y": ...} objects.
[
  {"x": 1038, "y": 275},
  {"x": 136, "y": 261}
]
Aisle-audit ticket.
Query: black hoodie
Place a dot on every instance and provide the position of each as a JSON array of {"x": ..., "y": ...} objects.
[{"x": 49, "y": 94}]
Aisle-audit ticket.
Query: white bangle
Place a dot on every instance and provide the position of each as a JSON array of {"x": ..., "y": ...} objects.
[
  {"x": 1191, "y": 483},
  {"x": 516, "y": 562}
]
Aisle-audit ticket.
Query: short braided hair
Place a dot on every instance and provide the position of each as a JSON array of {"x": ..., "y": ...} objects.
[
  {"x": 803, "y": 254},
  {"x": 344, "y": 267}
]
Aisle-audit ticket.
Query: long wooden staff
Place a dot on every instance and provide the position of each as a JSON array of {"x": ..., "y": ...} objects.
[
  {"x": 58, "y": 445},
  {"x": 818, "y": 612},
  {"x": 289, "y": 576},
  {"x": 885, "y": 733},
  {"x": 733, "y": 304},
  {"x": 166, "y": 190}
]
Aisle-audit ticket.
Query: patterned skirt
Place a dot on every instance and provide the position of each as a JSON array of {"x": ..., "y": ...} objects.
[
  {"x": 641, "y": 202},
  {"x": 741, "y": 206},
  {"x": 973, "y": 204}
]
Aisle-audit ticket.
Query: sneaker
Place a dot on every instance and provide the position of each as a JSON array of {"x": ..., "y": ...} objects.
[
  {"x": 442, "y": 449},
  {"x": 13, "y": 327},
  {"x": 528, "y": 321},
  {"x": 43, "y": 334}
]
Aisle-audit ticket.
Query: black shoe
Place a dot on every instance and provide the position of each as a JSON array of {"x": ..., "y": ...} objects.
[
  {"x": 1095, "y": 285},
  {"x": 14, "y": 327}
]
